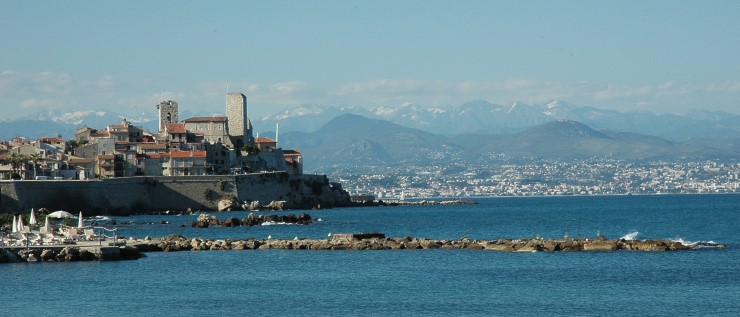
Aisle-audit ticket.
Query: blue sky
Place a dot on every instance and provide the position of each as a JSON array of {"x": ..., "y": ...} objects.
[{"x": 660, "y": 56}]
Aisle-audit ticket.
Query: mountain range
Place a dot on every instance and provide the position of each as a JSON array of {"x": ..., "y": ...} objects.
[
  {"x": 480, "y": 116},
  {"x": 350, "y": 140},
  {"x": 413, "y": 134}
]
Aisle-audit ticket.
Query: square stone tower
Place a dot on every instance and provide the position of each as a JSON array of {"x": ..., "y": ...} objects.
[
  {"x": 238, "y": 121},
  {"x": 167, "y": 113}
]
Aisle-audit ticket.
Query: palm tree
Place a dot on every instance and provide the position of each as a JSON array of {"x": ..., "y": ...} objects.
[
  {"x": 34, "y": 159},
  {"x": 16, "y": 159}
]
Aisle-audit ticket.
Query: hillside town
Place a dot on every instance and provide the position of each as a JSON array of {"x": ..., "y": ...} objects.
[
  {"x": 215, "y": 145},
  {"x": 510, "y": 177}
]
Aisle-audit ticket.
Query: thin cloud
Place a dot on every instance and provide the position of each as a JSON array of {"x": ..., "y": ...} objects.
[{"x": 48, "y": 90}]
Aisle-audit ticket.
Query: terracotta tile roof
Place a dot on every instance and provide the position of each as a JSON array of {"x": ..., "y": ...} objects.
[
  {"x": 175, "y": 128},
  {"x": 264, "y": 140},
  {"x": 291, "y": 152},
  {"x": 52, "y": 140},
  {"x": 106, "y": 157},
  {"x": 206, "y": 119}
]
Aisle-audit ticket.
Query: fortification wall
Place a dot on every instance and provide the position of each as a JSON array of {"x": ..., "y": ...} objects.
[{"x": 121, "y": 196}]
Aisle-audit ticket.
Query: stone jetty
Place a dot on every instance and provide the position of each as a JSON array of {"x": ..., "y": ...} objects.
[
  {"x": 135, "y": 248},
  {"x": 69, "y": 253},
  {"x": 378, "y": 241}
]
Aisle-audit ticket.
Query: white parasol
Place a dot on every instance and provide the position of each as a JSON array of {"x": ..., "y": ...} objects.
[
  {"x": 21, "y": 226},
  {"x": 32, "y": 220},
  {"x": 79, "y": 221},
  {"x": 15, "y": 225},
  {"x": 61, "y": 214},
  {"x": 47, "y": 226}
]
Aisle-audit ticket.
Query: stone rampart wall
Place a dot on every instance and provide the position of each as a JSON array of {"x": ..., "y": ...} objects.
[{"x": 120, "y": 196}]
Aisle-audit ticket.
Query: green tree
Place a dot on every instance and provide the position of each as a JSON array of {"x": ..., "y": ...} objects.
[
  {"x": 16, "y": 159},
  {"x": 34, "y": 159}
]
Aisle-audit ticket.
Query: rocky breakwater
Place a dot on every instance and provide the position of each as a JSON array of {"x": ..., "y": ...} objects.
[
  {"x": 68, "y": 254},
  {"x": 378, "y": 241},
  {"x": 205, "y": 220}
]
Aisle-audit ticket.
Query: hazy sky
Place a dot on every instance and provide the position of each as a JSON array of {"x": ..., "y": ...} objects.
[{"x": 662, "y": 56}]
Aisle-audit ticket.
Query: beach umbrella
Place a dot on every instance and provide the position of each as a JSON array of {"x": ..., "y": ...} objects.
[
  {"x": 32, "y": 220},
  {"x": 79, "y": 221},
  {"x": 47, "y": 225},
  {"x": 15, "y": 225},
  {"x": 61, "y": 214},
  {"x": 21, "y": 227}
]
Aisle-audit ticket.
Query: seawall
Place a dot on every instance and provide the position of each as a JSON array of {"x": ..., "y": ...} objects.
[{"x": 123, "y": 196}]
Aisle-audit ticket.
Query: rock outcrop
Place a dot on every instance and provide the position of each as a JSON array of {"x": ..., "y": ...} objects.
[{"x": 205, "y": 220}]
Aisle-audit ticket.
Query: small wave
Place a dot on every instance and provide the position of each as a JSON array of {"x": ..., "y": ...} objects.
[
  {"x": 697, "y": 244},
  {"x": 273, "y": 223},
  {"x": 630, "y": 236}
]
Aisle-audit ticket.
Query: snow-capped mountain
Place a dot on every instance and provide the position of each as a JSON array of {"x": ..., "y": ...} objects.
[
  {"x": 481, "y": 116},
  {"x": 473, "y": 117},
  {"x": 96, "y": 119},
  {"x": 305, "y": 117}
]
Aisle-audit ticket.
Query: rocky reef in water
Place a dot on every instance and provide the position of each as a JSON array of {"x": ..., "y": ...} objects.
[{"x": 205, "y": 220}]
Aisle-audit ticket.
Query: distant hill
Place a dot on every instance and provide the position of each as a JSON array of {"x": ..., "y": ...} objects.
[
  {"x": 480, "y": 116},
  {"x": 568, "y": 140},
  {"x": 34, "y": 129},
  {"x": 351, "y": 140},
  {"x": 355, "y": 140},
  {"x": 306, "y": 117}
]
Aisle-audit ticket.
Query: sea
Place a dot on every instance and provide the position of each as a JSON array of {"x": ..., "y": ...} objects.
[{"x": 702, "y": 282}]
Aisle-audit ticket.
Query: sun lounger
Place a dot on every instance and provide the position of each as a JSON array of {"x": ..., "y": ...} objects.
[{"x": 90, "y": 235}]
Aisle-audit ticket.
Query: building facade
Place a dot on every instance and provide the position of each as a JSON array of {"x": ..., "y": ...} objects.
[{"x": 214, "y": 129}]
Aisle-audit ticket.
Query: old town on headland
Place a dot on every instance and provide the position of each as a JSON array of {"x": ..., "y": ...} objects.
[{"x": 213, "y": 145}]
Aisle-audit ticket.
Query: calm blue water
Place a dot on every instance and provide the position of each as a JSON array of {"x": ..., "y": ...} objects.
[{"x": 419, "y": 282}]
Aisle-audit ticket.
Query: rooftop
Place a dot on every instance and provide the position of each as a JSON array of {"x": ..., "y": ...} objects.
[
  {"x": 264, "y": 140},
  {"x": 175, "y": 128}
]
